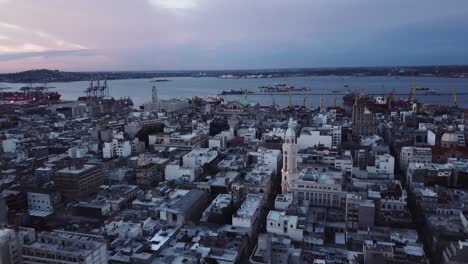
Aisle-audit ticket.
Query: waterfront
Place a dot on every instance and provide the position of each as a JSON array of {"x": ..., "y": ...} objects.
[{"x": 140, "y": 89}]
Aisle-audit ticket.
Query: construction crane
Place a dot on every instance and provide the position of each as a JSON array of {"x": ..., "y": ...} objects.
[
  {"x": 413, "y": 90},
  {"x": 273, "y": 101},
  {"x": 390, "y": 97},
  {"x": 321, "y": 103},
  {"x": 454, "y": 94},
  {"x": 1, "y": 91},
  {"x": 246, "y": 94},
  {"x": 356, "y": 98}
]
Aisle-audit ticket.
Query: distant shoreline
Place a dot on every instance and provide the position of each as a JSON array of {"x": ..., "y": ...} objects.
[{"x": 48, "y": 76}]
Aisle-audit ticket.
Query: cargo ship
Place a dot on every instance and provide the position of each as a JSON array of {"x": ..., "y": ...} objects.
[
  {"x": 235, "y": 92},
  {"x": 30, "y": 94},
  {"x": 280, "y": 88}
]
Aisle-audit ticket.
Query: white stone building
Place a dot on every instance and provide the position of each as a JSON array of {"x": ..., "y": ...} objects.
[
  {"x": 313, "y": 137},
  {"x": 270, "y": 158},
  {"x": 247, "y": 215},
  {"x": 199, "y": 157},
  {"x": 285, "y": 225},
  {"x": 414, "y": 155}
]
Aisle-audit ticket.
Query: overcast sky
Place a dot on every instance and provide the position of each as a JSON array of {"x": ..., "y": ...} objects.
[{"x": 236, "y": 34}]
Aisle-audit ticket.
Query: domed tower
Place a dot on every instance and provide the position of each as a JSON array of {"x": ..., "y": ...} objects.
[
  {"x": 450, "y": 138},
  {"x": 289, "y": 172}
]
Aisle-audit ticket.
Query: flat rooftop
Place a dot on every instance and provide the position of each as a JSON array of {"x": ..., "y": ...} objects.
[
  {"x": 77, "y": 169},
  {"x": 310, "y": 174},
  {"x": 250, "y": 205}
]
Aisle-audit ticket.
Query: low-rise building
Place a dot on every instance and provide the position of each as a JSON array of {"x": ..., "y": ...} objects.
[
  {"x": 285, "y": 225},
  {"x": 359, "y": 212},
  {"x": 65, "y": 247},
  {"x": 414, "y": 155},
  {"x": 248, "y": 214},
  {"x": 78, "y": 180},
  {"x": 318, "y": 188}
]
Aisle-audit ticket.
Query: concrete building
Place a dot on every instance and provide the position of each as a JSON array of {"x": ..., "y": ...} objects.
[
  {"x": 455, "y": 252},
  {"x": 63, "y": 247},
  {"x": 364, "y": 121},
  {"x": 78, "y": 181},
  {"x": 197, "y": 139},
  {"x": 42, "y": 203},
  {"x": 77, "y": 152},
  {"x": 248, "y": 133},
  {"x": 219, "y": 209},
  {"x": 247, "y": 215},
  {"x": 272, "y": 249},
  {"x": 344, "y": 163},
  {"x": 359, "y": 212},
  {"x": 220, "y": 140},
  {"x": 285, "y": 225},
  {"x": 414, "y": 155},
  {"x": 384, "y": 166},
  {"x": 148, "y": 173},
  {"x": 10, "y": 248},
  {"x": 187, "y": 205},
  {"x": 173, "y": 171},
  {"x": 283, "y": 201},
  {"x": 159, "y": 105},
  {"x": 9, "y": 145},
  {"x": 118, "y": 148},
  {"x": 270, "y": 158},
  {"x": 327, "y": 136},
  {"x": 199, "y": 157},
  {"x": 430, "y": 174},
  {"x": 317, "y": 188},
  {"x": 275, "y": 132}
]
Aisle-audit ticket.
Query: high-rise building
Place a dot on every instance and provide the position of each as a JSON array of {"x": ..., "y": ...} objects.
[{"x": 364, "y": 121}]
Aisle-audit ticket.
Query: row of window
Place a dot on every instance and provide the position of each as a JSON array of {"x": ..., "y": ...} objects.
[{"x": 318, "y": 187}]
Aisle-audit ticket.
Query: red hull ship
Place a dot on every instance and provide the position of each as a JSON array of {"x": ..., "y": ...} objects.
[{"x": 31, "y": 95}]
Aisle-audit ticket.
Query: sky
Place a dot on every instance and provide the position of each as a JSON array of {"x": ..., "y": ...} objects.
[{"x": 107, "y": 35}]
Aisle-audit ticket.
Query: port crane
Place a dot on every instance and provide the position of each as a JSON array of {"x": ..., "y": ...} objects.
[
  {"x": 2, "y": 88},
  {"x": 454, "y": 96}
]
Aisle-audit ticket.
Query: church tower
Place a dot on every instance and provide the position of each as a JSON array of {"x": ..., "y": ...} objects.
[{"x": 289, "y": 172}]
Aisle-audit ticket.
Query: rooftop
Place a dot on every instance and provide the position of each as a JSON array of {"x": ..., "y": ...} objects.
[
  {"x": 310, "y": 174},
  {"x": 77, "y": 169},
  {"x": 250, "y": 205}
]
